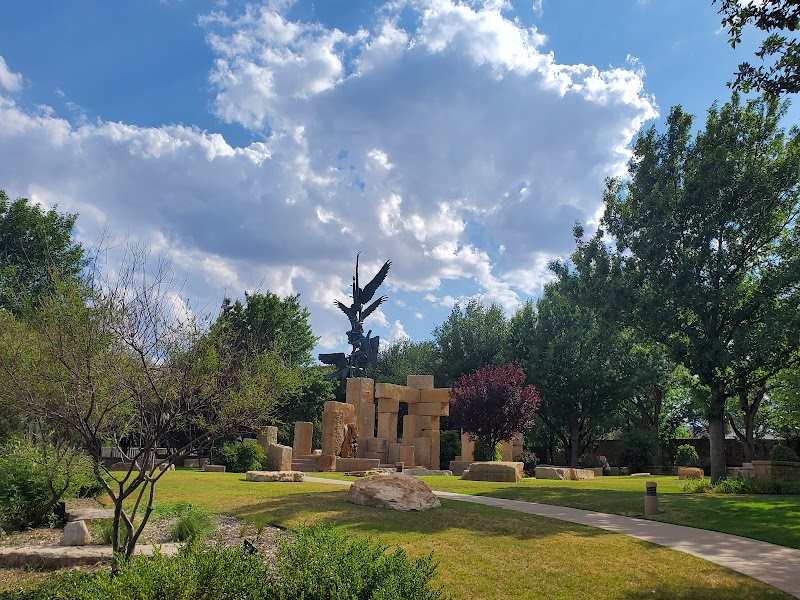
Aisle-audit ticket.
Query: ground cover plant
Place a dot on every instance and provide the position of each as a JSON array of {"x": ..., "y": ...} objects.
[
  {"x": 770, "y": 518},
  {"x": 482, "y": 552}
]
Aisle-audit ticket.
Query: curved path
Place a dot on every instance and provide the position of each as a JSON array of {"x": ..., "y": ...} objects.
[{"x": 776, "y": 565}]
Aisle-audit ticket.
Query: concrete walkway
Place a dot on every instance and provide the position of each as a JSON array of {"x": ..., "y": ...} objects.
[{"x": 775, "y": 565}]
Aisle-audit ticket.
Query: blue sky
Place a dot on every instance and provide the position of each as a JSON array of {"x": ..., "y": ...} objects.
[{"x": 261, "y": 145}]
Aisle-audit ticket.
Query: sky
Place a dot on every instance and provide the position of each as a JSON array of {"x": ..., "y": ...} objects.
[{"x": 261, "y": 145}]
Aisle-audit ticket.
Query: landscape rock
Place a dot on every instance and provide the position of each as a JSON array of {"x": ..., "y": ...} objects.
[
  {"x": 75, "y": 534},
  {"x": 690, "y": 473},
  {"x": 213, "y": 468},
  {"x": 90, "y": 514},
  {"x": 563, "y": 473},
  {"x": 396, "y": 491},
  {"x": 503, "y": 471},
  {"x": 283, "y": 476}
]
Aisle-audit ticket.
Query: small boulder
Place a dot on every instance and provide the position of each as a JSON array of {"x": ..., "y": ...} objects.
[
  {"x": 396, "y": 491},
  {"x": 504, "y": 471},
  {"x": 75, "y": 534}
]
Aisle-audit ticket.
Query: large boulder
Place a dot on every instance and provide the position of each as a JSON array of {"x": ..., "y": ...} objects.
[
  {"x": 503, "y": 471},
  {"x": 396, "y": 491}
]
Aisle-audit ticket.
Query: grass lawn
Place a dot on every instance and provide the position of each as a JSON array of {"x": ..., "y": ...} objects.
[
  {"x": 774, "y": 519},
  {"x": 483, "y": 552}
]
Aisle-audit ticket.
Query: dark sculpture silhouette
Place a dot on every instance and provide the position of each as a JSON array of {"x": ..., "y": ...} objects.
[{"x": 364, "y": 347}]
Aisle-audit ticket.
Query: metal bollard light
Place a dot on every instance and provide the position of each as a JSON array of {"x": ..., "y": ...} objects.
[{"x": 650, "y": 499}]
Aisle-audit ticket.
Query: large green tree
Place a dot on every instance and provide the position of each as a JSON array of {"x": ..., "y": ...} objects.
[
  {"x": 779, "y": 51},
  {"x": 399, "y": 359},
  {"x": 707, "y": 258},
  {"x": 36, "y": 248},
  {"x": 470, "y": 338},
  {"x": 579, "y": 363}
]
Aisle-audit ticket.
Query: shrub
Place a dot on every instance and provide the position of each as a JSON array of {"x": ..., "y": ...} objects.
[
  {"x": 782, "y": 452},
  {"x": 192, "y": 523},
  {"x": 449, "y": 447},
  {"x": 105, "y": 528},
  {"x": 748, "y": 485},
  {"x": 240, "y": 457},
  {"x": 319, "y": 563},
  {"x": 529, "y": 461},
  {"x": 686, "y": 456},
  {"x": 639, "y": 449},
  {"x": 482, "y": 452},
  {"x": 322, "y": 563},
  {"x": 25, "y": 478}
]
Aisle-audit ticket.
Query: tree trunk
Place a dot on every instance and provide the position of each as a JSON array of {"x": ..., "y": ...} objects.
[
  {"x": 716, "y": 432},
  {"x": 574, "y": 444}
]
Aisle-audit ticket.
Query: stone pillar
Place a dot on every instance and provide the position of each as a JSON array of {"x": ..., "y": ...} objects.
[
  {"x": 467, "y": 448},
  {"x": 407, "y": 456},
  {"x": 303, "y": 435},
  {"x": 268, "y": 436},
  {"x": 360, "y": 393},
  {"x": 335, "y": 417},
  {"x": 420, "y": 382}
]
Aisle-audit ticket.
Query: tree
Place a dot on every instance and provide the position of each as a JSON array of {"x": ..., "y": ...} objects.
[
  {"x": 112, "y": 363},
  {"x": 577, "y": 360},
  {"x": 399, "y": 359},
  {"x": 267, "y": 322},
  {"x": 470, "y": 338},
  {"x": 707, "y": 257},
  {"x": 492, "y": 404},
  {"x": 36, "y": 248},
  {"x": 776, "y": 18}
]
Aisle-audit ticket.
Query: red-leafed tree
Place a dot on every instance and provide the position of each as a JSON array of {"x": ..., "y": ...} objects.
[{"x": 492, "y": 403}]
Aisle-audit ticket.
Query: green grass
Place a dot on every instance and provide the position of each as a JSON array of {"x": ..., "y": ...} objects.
[
  {"x": 774, "y": 519},
  {"x": 483, "y": 552}
]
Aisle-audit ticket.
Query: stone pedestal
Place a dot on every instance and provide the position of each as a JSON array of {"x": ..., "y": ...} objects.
[{"x": 279, "y": 458}]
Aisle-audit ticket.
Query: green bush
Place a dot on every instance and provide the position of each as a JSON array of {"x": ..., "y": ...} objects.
[
  {"x": 24, "y": 489},
  {"x": 319, "y": 563},
  {"x": 782, "y": 452},
  {"x": 240, "y": 457},
  {"x": 105, "y": 528},
  {"x": 482, "y": 452},
  {"x": 686, "y": 456},
  {"x": 449, "y": 447},
  {"x": 744, "y": 485},
  {"x": 529, "y": 461},
  {"x": 193, "y": 523},
  {"x": 639, "y": 449}
]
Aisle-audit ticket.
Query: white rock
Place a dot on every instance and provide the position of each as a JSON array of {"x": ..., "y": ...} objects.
[
  {"x": 396, "y": 491},
  {"x": 75, "y": 534}
]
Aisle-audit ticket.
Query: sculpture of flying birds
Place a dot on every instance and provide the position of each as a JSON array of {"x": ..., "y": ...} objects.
[{"x": 363, "y": 295}]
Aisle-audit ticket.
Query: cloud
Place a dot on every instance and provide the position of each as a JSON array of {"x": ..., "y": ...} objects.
[
  {"x": 10, "y": 81},
  {"x": 432, "y": 144}
]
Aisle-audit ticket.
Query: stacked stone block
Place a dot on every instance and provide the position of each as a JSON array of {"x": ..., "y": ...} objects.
[{"x": 279, "y": 457}]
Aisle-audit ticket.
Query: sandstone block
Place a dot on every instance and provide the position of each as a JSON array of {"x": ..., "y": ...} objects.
[
  {"x": 420, "y": 382},
  {"x": 690, "y": 473},
  {"x": 303, "y": 435},
  {"x": 279, "y": 458},
  {"x": 213, "y": 468},
  {"x": 438, "y": 395},
  {"x": 459, "y": 466},
  {"x": 395, "y": 491},
  {"x": 326, "y": 463},
  {"x": 506, "y": 451},
  {"x": 366, "y": 420},
  {"x": 379, "y": 456},
  {"x": 393, "y": 453},
  {"x": 433, "y": 409},
  {"x": 344, "y": 465},
  {"x": 350, "y": 444},
  {"x": 388, "y": 405},
  {"x": 268, "y": 476},
  {"x": 335, "y": 418},
  {"x": 268, "y": 435},
  {"x": 436, "y": 444},
  {"x": 387, "y": 425},
  {"x": 75, "y": 534},
  {"x": 360, "y": 389},
  {"x": 467, "y": 448},
  {"x": 397, "y": 392},
  {"x": 511, "y": 472},
  {"x": 422, "y": 451},
  {"x": 564, "y": 473},
  {"x": 377, "y": 445},
  {"x": 407, "y": 456}
]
